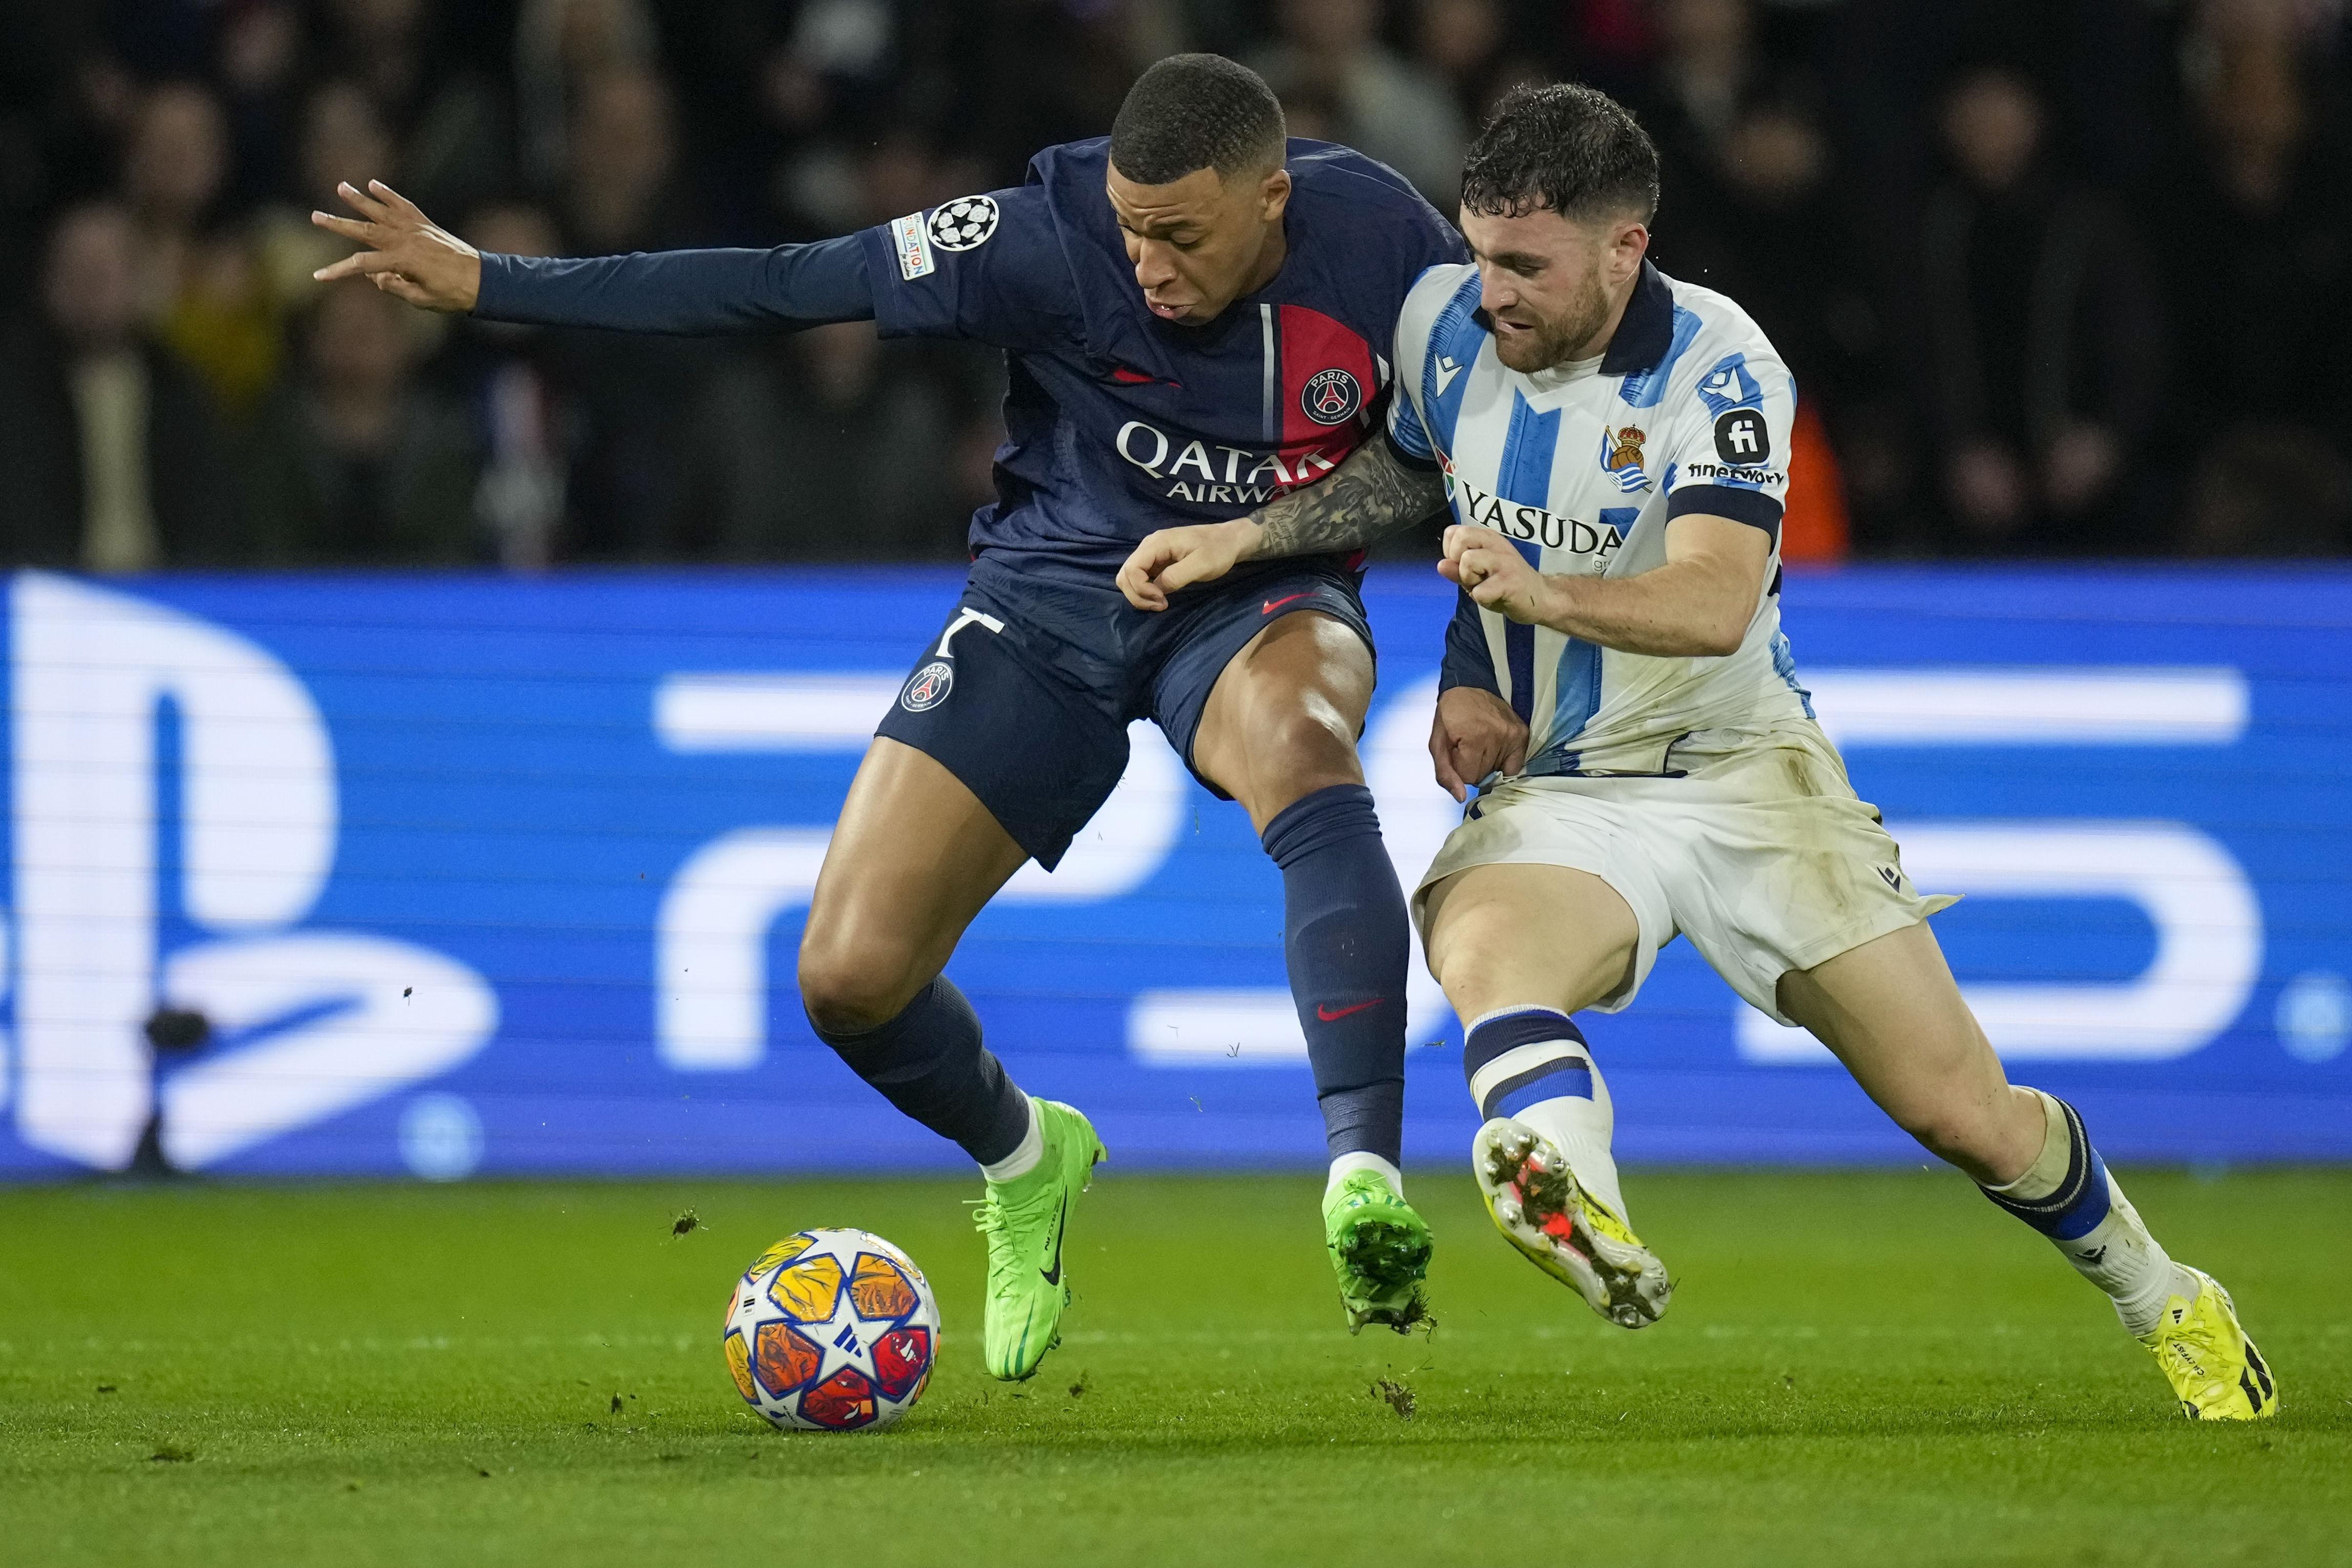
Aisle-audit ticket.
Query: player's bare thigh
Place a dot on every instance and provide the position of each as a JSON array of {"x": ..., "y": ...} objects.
[
  {"x": 1282, "y": 720},
  {"x": 1503, "y": 935},
  {"x": 1892, "y": 1012},
  {"x": 914, "y": 857}
]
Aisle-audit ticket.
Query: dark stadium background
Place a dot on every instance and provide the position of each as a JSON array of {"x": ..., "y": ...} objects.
[
  {"x": 2067, "y": 289},
  {"x": 1894, "y": 189}
]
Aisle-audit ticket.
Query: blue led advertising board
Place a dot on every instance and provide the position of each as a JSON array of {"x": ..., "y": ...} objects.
[{"x": 496, "y": 877}]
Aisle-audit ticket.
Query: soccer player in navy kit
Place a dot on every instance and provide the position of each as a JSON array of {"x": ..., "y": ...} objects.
[{"x": 1197, "y": 315}]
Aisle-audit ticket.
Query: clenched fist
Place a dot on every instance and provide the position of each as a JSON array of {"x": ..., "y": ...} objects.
[
  {"x": 1475, "y": 734},
  {"x": 1497, "y": 576}
]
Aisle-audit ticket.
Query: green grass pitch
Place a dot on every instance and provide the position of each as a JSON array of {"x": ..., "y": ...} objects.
[{"x": 1874, "y": 1368}]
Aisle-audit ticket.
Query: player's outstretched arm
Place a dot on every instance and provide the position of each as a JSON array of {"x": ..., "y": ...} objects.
[
  {"x": 683, "y": 291},
  {"x": 1698, "y": 603},
  {"x": 409, "y": 255},
  {"x": 1369, "y": 495}
]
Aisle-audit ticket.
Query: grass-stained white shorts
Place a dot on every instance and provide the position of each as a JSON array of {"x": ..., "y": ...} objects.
[{"x": 1759, "y": 853}]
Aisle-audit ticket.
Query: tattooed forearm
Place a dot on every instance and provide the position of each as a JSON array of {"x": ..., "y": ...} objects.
[{"x": 1371, "y": 495}]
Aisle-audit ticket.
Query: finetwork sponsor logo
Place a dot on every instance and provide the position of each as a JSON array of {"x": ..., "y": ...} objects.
[
  {"x": 1221, "y": 475},
  {"x": 1737, "y": 474},
  {"x": 1741, "y": 436}
]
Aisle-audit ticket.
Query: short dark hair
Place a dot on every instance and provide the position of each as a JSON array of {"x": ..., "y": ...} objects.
[
  {"x": 1196, "y": 112},
  {"x": 1564, "y": 146}
]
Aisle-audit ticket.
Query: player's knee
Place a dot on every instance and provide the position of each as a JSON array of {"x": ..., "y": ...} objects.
[
  {"x": 1953, "y": 1133},
  {"x": 1296, "y": 751},
  {"x": 849, "y": 987}
]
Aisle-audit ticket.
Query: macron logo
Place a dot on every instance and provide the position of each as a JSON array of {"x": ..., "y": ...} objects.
[{"x": 1446, "y": 370}]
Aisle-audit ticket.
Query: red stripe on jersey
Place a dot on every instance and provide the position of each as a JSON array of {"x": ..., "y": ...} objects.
[{"x": 1327, "y": 384}]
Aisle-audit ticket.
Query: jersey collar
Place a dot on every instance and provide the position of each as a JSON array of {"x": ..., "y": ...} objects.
[{"x": 1647, "y": 329}]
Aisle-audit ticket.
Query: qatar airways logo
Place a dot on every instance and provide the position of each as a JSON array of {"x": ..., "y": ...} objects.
[
  {"x": 1220, "y": 475},
  {"x": 1534, "y": 525}
]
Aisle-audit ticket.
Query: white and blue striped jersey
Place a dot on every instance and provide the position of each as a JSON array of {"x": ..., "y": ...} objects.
[{"x": 1582, "y": 466}]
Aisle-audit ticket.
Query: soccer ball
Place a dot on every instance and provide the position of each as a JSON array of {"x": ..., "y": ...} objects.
[{"x": 832, "y": 1330}]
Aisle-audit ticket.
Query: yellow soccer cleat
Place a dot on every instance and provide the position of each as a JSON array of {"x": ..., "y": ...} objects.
[
  {"x": 1543, "y": 1210},
  {"x": 2214, "y": 1369}
]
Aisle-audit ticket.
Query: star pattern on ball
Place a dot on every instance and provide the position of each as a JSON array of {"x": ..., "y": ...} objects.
[{"x": 847, "y": 1338}]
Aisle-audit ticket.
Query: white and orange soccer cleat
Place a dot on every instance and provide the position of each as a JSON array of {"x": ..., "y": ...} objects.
[{"x": 1541, "y": 1209}]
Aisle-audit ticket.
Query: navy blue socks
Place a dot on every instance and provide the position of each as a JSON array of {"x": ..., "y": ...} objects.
[
  {"x": 1344, "y": 934},
  {"x": 929, "y": 1061}
]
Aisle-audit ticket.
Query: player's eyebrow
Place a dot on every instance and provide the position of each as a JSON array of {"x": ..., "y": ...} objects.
[
  {"x": 1163, "y": 228},
  {"x": 1525, "y": 263}
]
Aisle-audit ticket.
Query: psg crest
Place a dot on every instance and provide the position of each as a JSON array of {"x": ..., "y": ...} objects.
[
  {"x": 1331, "y": 397},
  {"x": 964, "y": 224},
  {"x": 928, "y": 688}
]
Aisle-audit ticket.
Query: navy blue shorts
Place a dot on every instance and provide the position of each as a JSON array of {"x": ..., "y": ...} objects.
[{"x": 1026, "y": 694}]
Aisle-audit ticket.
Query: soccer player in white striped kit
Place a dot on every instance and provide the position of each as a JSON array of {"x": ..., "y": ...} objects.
[{"x": 1613, "y": 446}]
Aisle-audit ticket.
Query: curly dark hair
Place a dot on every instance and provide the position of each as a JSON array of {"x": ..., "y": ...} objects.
[
  {"x": 1196, "y": 112},
  {"x": 1563, "y": 146}
]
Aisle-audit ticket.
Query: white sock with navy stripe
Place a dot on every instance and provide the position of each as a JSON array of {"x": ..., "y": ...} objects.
[
  {"x": 1530, "y": 1063},
  {"x": 2067, "y": 1195}
]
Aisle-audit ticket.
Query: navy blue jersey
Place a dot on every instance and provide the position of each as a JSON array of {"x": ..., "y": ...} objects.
[{"x": 1117, "y": 422}]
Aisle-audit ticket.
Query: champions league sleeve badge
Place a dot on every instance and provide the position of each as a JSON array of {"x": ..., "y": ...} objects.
[{"x": 965, "y": 223}]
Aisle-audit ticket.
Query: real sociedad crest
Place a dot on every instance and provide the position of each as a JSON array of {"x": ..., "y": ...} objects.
[
  {"x": 1331, "y": 397},
  {"x": 1621, "y": 457}
]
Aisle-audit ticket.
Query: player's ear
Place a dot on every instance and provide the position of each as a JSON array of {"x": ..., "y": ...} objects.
[
  {"x": 1273, "y": 195},
  {"x": 1629, "y": 241}
]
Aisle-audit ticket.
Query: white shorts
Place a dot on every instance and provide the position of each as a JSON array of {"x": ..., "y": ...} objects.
[{"x": 1760, "y": 855}]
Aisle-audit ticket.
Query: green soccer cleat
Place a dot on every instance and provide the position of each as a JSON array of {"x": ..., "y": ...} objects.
[
  {"x": 1026, "y": 1220},
  {"x": 2214, "y": 1369},
  {"x": 1380, "y": 1249},
  {"x": 1541, "y": 1208}
]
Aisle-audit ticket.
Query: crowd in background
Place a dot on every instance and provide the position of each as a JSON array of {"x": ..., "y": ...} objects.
[{"x": 2055, "y": 278}]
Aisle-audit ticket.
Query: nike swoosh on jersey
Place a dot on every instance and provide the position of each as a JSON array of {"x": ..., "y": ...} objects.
[
  {"x": 1446, "y": 370},
  {"x": 1274, "y": 604},
  {"x": 1054, "y": 1275},
  {"x": 1330, "y": 1015}
]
